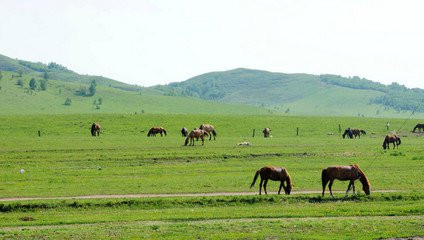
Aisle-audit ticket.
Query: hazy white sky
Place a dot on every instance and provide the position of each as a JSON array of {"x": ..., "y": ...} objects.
[{"x": 159, "y": 41}]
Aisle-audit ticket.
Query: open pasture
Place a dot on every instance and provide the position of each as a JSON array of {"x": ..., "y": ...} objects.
[{"x": 67, "y": 161}]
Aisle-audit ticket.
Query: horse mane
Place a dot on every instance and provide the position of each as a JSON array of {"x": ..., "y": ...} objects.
[{"x": 363, "y": 179}]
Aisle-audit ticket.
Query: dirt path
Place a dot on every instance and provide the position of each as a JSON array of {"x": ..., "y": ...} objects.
[
  {"x": 165, "y": 195},
  {"x": 203, "y": 221}
]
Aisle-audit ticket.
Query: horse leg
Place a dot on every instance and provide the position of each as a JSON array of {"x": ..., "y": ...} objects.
[
  {"x": 260, "y": 186},
  {"x": 353, "y": 185},
  {"x": 281, "y": 185},
  {"x": 203, "y": 140},
  {"x": 324, "y": 184},
  {"x": 210, "y": 136},
  {"x": 329, "y": 187},
  {"x": 349, "y": 187},
  {"x": 265, "y": 183}
]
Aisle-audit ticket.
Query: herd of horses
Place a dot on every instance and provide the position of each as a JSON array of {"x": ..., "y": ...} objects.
[{"x": 349, "y": 173}]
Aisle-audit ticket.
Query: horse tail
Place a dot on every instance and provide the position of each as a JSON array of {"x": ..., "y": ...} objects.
[
  {"x": 186, "y": 141},
  {"x": 415, "y": 128},
  {"x": 398, "y": 141},
  {"x": 254, "y": 179},
  {"x": 149, "y": 133},
  {"x": 214, "y": 132},
  {"x": 324, "y": 178}
]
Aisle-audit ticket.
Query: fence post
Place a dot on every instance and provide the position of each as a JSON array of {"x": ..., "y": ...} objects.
[
  {"x": 297, "y": 131},
  {"x": 39, "y": 133},
  {"x": 253, "y": 133},
  {"x": 340, "y": 128}
]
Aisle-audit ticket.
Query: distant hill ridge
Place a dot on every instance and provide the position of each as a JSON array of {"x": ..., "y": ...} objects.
[
  {"x": 273, "y": 89},
  {"x": 237, "y": 91}
]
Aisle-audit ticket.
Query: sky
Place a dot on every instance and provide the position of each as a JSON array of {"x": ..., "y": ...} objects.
[{"x": 161, "y": 41}]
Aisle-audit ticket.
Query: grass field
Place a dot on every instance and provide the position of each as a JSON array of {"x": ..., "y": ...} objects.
[{"x": 67, "y": 161}]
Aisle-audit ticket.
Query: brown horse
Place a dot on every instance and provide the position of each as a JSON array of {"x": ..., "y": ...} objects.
[
  {"x": 266, "y": 132},
  {"x": 344, "y": 173},
  {"x": 209, "y": 129},
  {"x": 274, "y": 174},
  {"x": 419, "y": 126},
  {"x": 95, "y": 129},
  {"x": 155, "y": 130},
  {"x": 196, "y": 133},
  {"x": 184, "y": 132},
  {"x": 391, "y": 138}
]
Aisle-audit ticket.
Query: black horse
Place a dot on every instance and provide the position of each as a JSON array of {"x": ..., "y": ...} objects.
[
  {"x": 348, "y": 132},
  {"x": 419, "y": 126},
  {"x": 184, "y": 132}
]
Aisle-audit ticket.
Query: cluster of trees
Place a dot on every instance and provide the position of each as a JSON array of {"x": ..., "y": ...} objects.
[
  {"x": 83, "y": 91},
  {"x": 395, "y": 95},
  {"x": 33, "y": 84},
  {"x": 41, "y": 67}
]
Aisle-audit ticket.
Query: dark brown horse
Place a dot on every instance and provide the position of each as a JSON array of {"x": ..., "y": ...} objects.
[
  {"x": 274, "y": 174},
  {"x": 196, "y": 133},
  {"x": 419, "y": 126},
  {"x": 209, "y": 129},
  {"x": 266, "y": 132},
  {"x": 348, "y": 132},
  {"x": 95, "y": 129},
  {"x": 391, "y": 138},
  {"x": 184, "y": 132},
  {"x": 344, "y": 173},
  {"x": 155, "y": 130}
]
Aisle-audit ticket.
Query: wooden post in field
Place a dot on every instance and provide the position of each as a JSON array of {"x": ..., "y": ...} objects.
[
  {"x": 39, "y": 133},
  {"x": 297, "y": 131},
  {"x": 253, "y": 133},
  {"x": 340, "y": 128}
]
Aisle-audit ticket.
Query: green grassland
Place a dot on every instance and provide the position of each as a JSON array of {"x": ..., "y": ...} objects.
[{"x": 67, "y": 161}]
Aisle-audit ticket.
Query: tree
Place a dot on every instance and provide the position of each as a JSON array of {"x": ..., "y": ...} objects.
[
  {"x": 20, "y": 82},
  {"x": 43, "y": 84},
  {"x": 92, "y": 89},
  {"x": 68, "y": 102},
  {"x": 32, "y": 84},
  {"x": 46, "y": 76},
  {"x": 100, "y": 101},
  {"x": 1, "y": 76}
]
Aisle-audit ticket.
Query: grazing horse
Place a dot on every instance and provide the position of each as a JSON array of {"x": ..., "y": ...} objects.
[
  {"x": 348, "y": 132},
  {"x": 344, "y": 173},
  {"x": 95, "y": 129},
  {"x": 196, "y": 133},
  {"x": 391, "y": 138},
  {"x": 155, "y": 130},
  {"x": 274, "y": 174},
  {"x": 209, "y": 129},
  {"x": 184, "y": 132},
  {"x": 419, "y": 126},
  {"x": 266, "y": 132}
]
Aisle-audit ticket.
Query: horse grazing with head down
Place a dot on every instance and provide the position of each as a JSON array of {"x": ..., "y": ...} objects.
[
  {"x": 95, "y": 129},
  {"x": 391, "y": 138},
  {"x": 266, "y": 132},
  {"x": 209, "y": 129},
  {"x": 155, "y": 130},
  {"x": 196, "y": 133},
  {"x": 344, "y": 173},
  {"x": 184, "y": 132},
  {"x": 419, "y": 126},
  {"x": 274, "y": 174},
  {"x": 348, "y": 132}
]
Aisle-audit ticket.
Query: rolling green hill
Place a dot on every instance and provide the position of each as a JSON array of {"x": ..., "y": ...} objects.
[
  {"x": 110, "y": 97},
  {"x": 301, "y": 93},
  {"x": 238, "y": 91}
]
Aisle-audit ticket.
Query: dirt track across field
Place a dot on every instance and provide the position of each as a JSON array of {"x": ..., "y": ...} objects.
[{"x": 165, "y": 195}]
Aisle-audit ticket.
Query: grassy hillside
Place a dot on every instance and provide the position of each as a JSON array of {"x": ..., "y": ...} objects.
[
  {"x": 15, "y": 99},
  {"x": 301, "y": 93}
]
